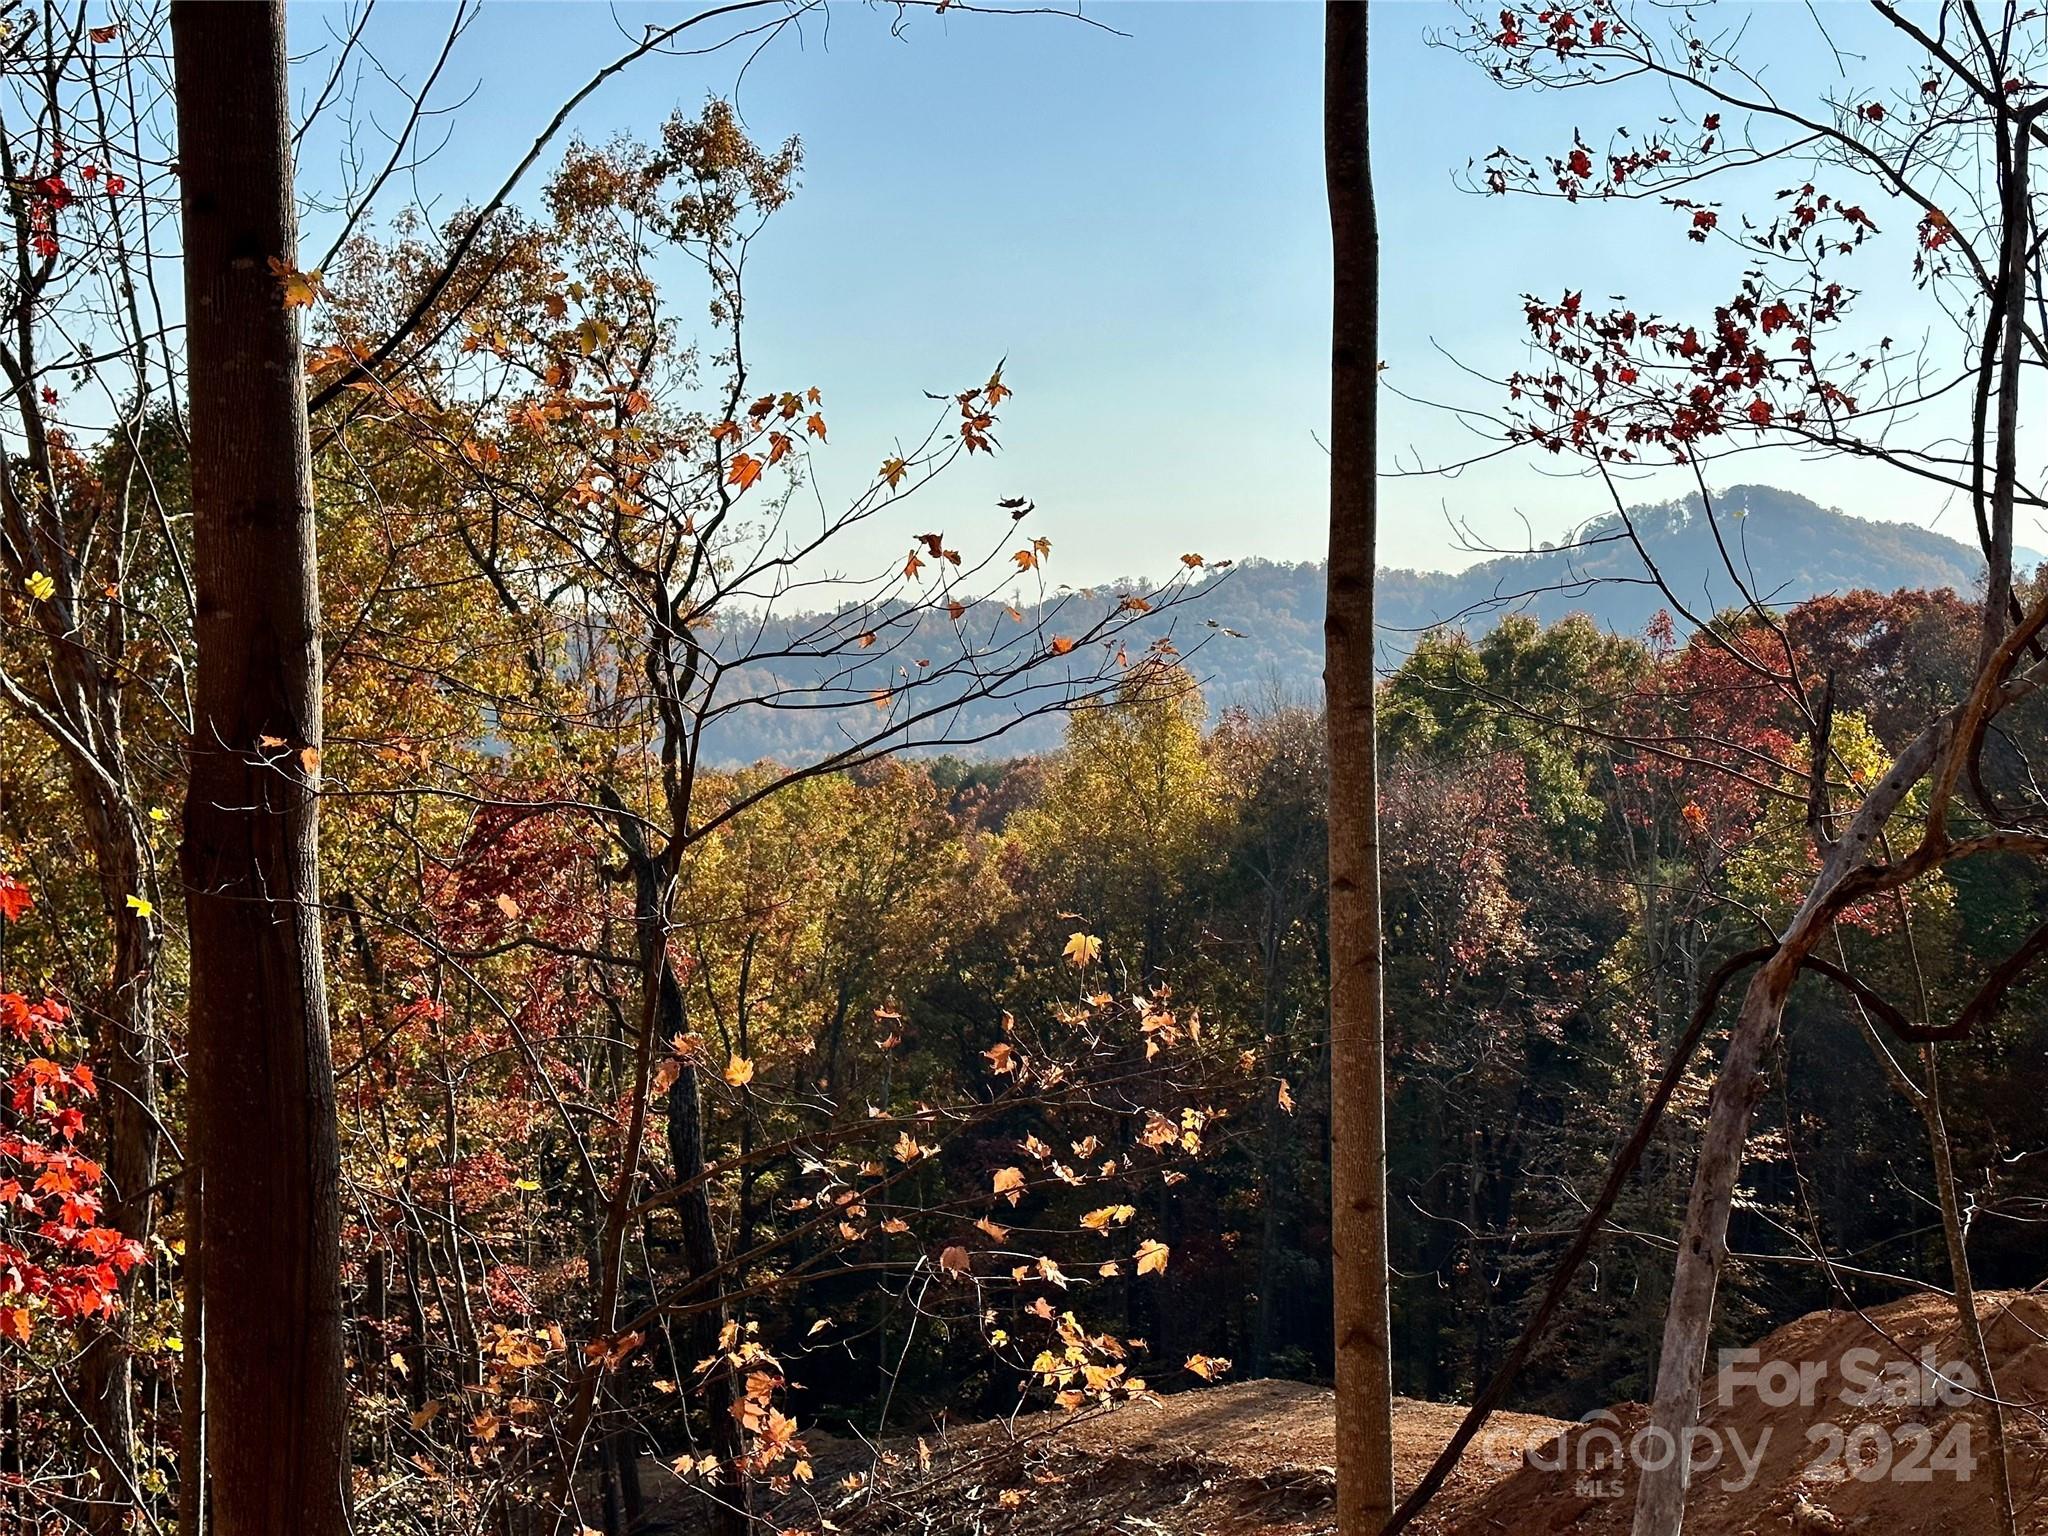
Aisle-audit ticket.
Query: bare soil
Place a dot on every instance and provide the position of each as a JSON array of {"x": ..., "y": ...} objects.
[{"x": 1255, "y": 1458}]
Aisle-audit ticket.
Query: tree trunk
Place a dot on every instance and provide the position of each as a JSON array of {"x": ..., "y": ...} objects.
[
  {"x": 1358, "y": 1134},
  {"x": 262, "y": 1080}
]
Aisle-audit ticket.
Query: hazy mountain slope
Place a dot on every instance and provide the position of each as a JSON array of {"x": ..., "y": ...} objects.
[{"x": 1256, "y": 630}]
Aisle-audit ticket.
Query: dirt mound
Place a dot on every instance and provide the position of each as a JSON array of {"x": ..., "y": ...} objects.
[
  {"x": 1839, "y": 1422},
  {"x": 1233, "y": 1460}
]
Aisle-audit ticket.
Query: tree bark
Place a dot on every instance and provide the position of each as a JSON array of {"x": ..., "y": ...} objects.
[
  {"x": 262, "y": 1081},
  {"x": 1358, "y": 1144}
]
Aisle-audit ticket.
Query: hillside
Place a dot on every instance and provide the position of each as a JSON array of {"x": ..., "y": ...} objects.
[{"x": 1256, "y": 629}]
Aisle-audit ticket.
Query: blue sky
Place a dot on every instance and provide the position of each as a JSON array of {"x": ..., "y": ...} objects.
[{"x": 1136, "y": 222}]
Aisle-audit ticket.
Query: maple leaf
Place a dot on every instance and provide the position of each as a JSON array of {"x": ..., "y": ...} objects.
[
  {"x": 1010, "y": 1182},
  {"x": 1151, "y": 1257},
  {"x": 1081, "y": 949},
  {"x": 40, "y": 586},
  {"x": 1060, "y": 645},
  {"x": 1190, "y": 561},
  {"x": 1284, "y": 1098},
  {"x": 956, "y": 1260},
  {"x": 1101, "y": 1220},
  {"x": 893, "y": 471},
  {"x": 815, "y": 424},
  {"x": 301, "y": 289},
  {"x": 743, "y": 471},
  {"x": 739, "y": 1071},
  {"x": 1207, "y": 1367}
]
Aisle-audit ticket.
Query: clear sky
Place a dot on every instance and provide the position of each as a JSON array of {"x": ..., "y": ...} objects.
[{"x": 1136, "y": 222}]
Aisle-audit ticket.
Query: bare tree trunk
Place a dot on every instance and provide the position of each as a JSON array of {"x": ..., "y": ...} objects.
[
  {"x": 1932, "y": 1115},
  {"x": 262, "y": 1095},
  {"x": 1358, "y": 1134},
  {"x": 1927, "y": 1104}
]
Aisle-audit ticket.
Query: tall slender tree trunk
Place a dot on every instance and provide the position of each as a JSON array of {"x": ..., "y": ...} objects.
[
  {"x": 262, "y": 1078},
  {"x": 1358, "y": 1130}
]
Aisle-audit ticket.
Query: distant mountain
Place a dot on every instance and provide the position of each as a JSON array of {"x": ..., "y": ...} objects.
[{"x": 1259, "y": 625}]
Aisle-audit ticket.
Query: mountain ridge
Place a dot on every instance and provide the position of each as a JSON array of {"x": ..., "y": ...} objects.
[{"x": 1260, "y": 621}]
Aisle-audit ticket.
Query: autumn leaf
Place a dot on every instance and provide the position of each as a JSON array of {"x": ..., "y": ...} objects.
[
  {"x": 40, "y": 587},
  {"x": 1207, "y": 1367},
  {"x": 506, "y": 904},
  {"x": 893, "y": 471},
  {"x": 1285, "y": 1099},
  {"x": 1190, "y": 561},
  {"x": 1082, "y": 948},
  {"x": 743, "y": 471},
  {"x": 739, "y": 1071},
  {"x": 1151, "y": 1257},
  {"x": 1060, "y": 645},
  {"x": 141, "y": 906},
  {"x": 301, "y": 289},
  {"x": 956, "y": 1260},
  {"x": 1010, "y": 1182}
]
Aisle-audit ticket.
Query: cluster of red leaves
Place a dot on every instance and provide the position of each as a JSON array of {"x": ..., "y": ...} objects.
[
  {"x": 56, "y": 1257},
  {"x": 1619, "y": 383},
  {"x": 1565, "y": 31}
]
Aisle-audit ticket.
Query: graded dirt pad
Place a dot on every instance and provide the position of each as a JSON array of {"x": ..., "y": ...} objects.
[
  {"x": 1254, "y": 1458},
  {"x": 1906, "y": 1459},
  {"x": 1242, "y": 1459}
]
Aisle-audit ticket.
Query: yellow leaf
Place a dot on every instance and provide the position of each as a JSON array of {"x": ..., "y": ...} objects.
[
  {"x": 141, "y": 906},
  {"x": 1151, "y": 1257},
  {"x": 739, "y": 1071},
  {"x": 1285, "y": 1099},
  {"x": 40, "y": 587},
  {"x": 1082, "y": 948},
  {"x": 1010, "y": 1181},
  {"x": 300, "y": 288},
  {"x": 893, "y": 471},
  {"x": 1206, "y": 1367}
]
